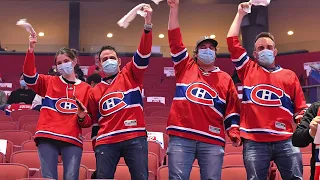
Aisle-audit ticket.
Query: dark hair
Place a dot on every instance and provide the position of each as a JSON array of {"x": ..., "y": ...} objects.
[
  {"x": 96, "y": 78},
  {"x": 71, "y": 53},
  {"x": 264, "y": 34},
  {"x": 107, "y": 47}
]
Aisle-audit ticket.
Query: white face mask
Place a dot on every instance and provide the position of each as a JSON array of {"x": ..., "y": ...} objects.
[
  {"x": 110, "y": 67},
  {"x": 65, "y": 68},
  {"x": 207, "y": 56},
  {"x": 266, "y": 57}
]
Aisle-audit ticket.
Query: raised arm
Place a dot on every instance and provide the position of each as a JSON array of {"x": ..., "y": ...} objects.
[
  {"x": 35, "y": 81},
  {"x": 236, "y": 24},
  {"x": 174, "y": 14}
]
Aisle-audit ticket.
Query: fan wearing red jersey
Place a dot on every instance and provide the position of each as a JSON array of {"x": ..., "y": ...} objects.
[
  {"x": 271, "y": 97},
  {"x": 117, "y": 113},
  {"x": 62, "y": 115},
  {"x": 204, "y": 110}
]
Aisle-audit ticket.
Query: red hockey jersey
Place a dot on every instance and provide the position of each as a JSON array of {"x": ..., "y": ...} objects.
[
  {"x": 205, "y": 104},
  {"x": 58, "y": 116},
  {"x": 15, "y": 107},
  {"x": 116, "y": 106},
  {"x": 270, "y": 99}
]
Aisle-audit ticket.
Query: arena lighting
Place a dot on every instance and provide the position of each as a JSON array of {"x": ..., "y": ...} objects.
[
  {"x": 290, "y": 33},
  {"x": 41, "y": 34},
  {"x": 212, "y": 36},
  {"x": 161, "y": 36},
  {"x": 109, "y": 35}
]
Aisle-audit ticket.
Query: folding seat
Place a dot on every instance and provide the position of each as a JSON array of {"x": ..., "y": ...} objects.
[
  {"x": 4, "y": 117},
  {"x": 17, "y": 137},
  {"x": 89, "y": 160},
  {"x": 234, "y": 172},
  {"x": 30, "y": 127},
  {"x": 122, "y": 172},
  {"x": 29, "y": 158},
  {"x": 307, "y": 149},
  {"x": 2, "y": 112},
  {"x": 86, "y": 130},
  {"x": 160, "y": 113},
  {"x": 9, "y": 151},
  {"x": 306, "y": 157},
  {"x": 148, "y": 110},
  {"x": 155, "y": 148},
  {"x": 88, "y": 136},
  {"x": 87, "y": 145},
  {"x": 17, "y": 114},
  {"x": 13, "y": 171},
  {"x": 2, "y": 158},
  {"x": 8, "y": 125},
  {"x": 233, "y": 160},
  {"x": 159, "y": 127},
  {"x": 229, "y": 148},
  {"x": 29, "y": 145},
  {"x": 27, "y": 119},
  {"x": 155, "y": 120}
]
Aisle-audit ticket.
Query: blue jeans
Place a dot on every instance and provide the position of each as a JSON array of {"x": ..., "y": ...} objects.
[
  {"x": 182, "y": 152},
  {"x": 257, "y": 157},
  {"x": 49, "y": 150},
  {"x": 135, "y": 153}
]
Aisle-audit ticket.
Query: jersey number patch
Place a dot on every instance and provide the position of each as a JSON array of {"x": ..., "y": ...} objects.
[
  {"x": 267, "y": 95},
  {"x": 201, "y": 93},
  {"x": 111, "y": 103}
]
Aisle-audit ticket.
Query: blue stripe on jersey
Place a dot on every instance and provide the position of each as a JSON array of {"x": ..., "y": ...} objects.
[
  {"x": 242, "y": 60},
  {"x": 218, "y": 104},
  {"x": 234, "y": 119},
  {"x": 179, "y": 56},
  {"x": 30, "y": 80},
  {"x": 140, "y": 60},
  {"x": 195, "y": 133},
  {"x": 285, "y": 100}
]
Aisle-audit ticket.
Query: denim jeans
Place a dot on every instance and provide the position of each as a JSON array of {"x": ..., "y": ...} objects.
[
  {"x": 135, "y": 153},
  {"x": 257, "y": 157},
  {"x": 182, "y": 152},
  {"x": 49, "y": 150}
]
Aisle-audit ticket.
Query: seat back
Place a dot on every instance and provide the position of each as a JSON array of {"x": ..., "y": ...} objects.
[
  {"x": 2, "y": 158},
  {"x": 27, "y": 157},
  {"x": 27, "y": 119},
  {"x": 9, "y": 151},
  {"x": 306, "y": 157},
  {"x": 87, "y": 145},
  {"x": 229, "y": 148},
  {"x": 2, "y": 113},
  {"x": 4, "y": 117},
  {"x": 8, "y": 125},
  {"x": 233, "y": 159},
  {"x": 29, "y": 145},
  {"x": 17, "y": 114},
  {"x": 158, "y": 127},
  {"x": 234, "y": 172},
  {"x": 30, "y": 127},
  {"x": 122, "y": 172},
  {"x": 17, "y": 137},
  {"x": 89, "y": 160},
  {"x": 13, "y": 171},
  {"x": 155, "y": 148}
]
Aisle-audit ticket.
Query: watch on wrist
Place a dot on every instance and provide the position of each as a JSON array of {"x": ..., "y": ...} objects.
[{"x": 148, "y": 27}]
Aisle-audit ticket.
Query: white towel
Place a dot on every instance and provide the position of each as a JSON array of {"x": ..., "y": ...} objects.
[
  {"x": 257, "y": 3},
  {"x": 125, "y": 21},
  {"x": 23, "y": 23},
  {"x": 156, "y": 1}
]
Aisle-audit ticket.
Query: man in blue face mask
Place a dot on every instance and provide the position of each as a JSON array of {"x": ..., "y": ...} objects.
[
  {"x": 204, "y": 110},
  {"x": 272, "y": 97},
  {"x": 21, "y": 95}
]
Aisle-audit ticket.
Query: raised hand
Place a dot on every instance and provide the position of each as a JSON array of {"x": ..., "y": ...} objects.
[
  {"x": 32, "y": 42},
  {"x": 242, "y": 7},
  {"x": 173, "y": 3},
  {"x": 149, "y": 11}
]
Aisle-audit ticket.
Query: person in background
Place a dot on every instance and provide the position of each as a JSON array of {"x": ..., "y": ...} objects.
[
  {"x": 94, "y": 79},
  {"x": 3, "y": 100},
  {"x": 96, "y": 67},
  {"x": 21, "y": 95},
  {"x": 272, "y": 97},
  {"x": 305, "y": 133},
  {"x": 62, "y": 115}
]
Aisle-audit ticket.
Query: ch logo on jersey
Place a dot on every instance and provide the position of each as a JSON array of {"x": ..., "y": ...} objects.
[
  {"x": 267, "y": 95},
  {"x": 111, "y": 103},
  {"x": 201, "y": 93},
  {"x": 67, "y": 106}
]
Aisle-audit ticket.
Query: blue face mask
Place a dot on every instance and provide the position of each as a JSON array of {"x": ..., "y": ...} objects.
[
  {"x": 110, "y": 67},
  {"x": 65, "y": 68},
  {"x": 266, "y": 57},
  {"x": 23, "y": 83},
  {"x": 207, "y": 56}
]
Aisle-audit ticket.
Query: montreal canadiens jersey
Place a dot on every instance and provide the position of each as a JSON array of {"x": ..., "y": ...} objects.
[
  {"x": 205, "y": 105},
  {"x": 270, "y": 98},
  {"x": 16, "y": 107},
  {"x": 58, "y": 115},
  {"x": 116, "y": 105}
]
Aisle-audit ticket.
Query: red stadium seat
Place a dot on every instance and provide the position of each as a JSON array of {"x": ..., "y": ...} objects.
[
  {"x": 9, "y": 151},
  {"x": 5, "y": 118},
  {"x": 161, "y": 113},
  {"x": 17, "y": 137},
  {"x": 306, "y": 157},
  {"x": 229, "y": 148},
  {"x": 2, "y": 113},
  {"x": 87, "y": 145},
  {"x": 2, "y": 158},
  {"x": 17, "y": 114},
  {"x": 163, "y": 173},
  {"x": 8, "y": 125},
  {"x": 30, "y": 127},
  {"x": 155, "y": 120},
  {"x": 307, "y": 149},
  {"x": 122, "y": 172},
  {"x": 148, "y": 110},
  {"x": 88, "y": 136},
  {"x": 234, "y": 172},
  {"x": 159, "y": 127},
  {"x": 153, "y": 162},
  {"x": 86, "y": 130},
  {"x": 28, "y": 158},
  {"x": 83, "y": 172},
  {"x": 155, "y": 148},
  {"x": 89, "y": 160},
  {"x": 27, "y": 119},
  {"x": 233, "y": 160},
  {"x": 29, "y": 145},
  {"x": 13, "y": 171}
]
